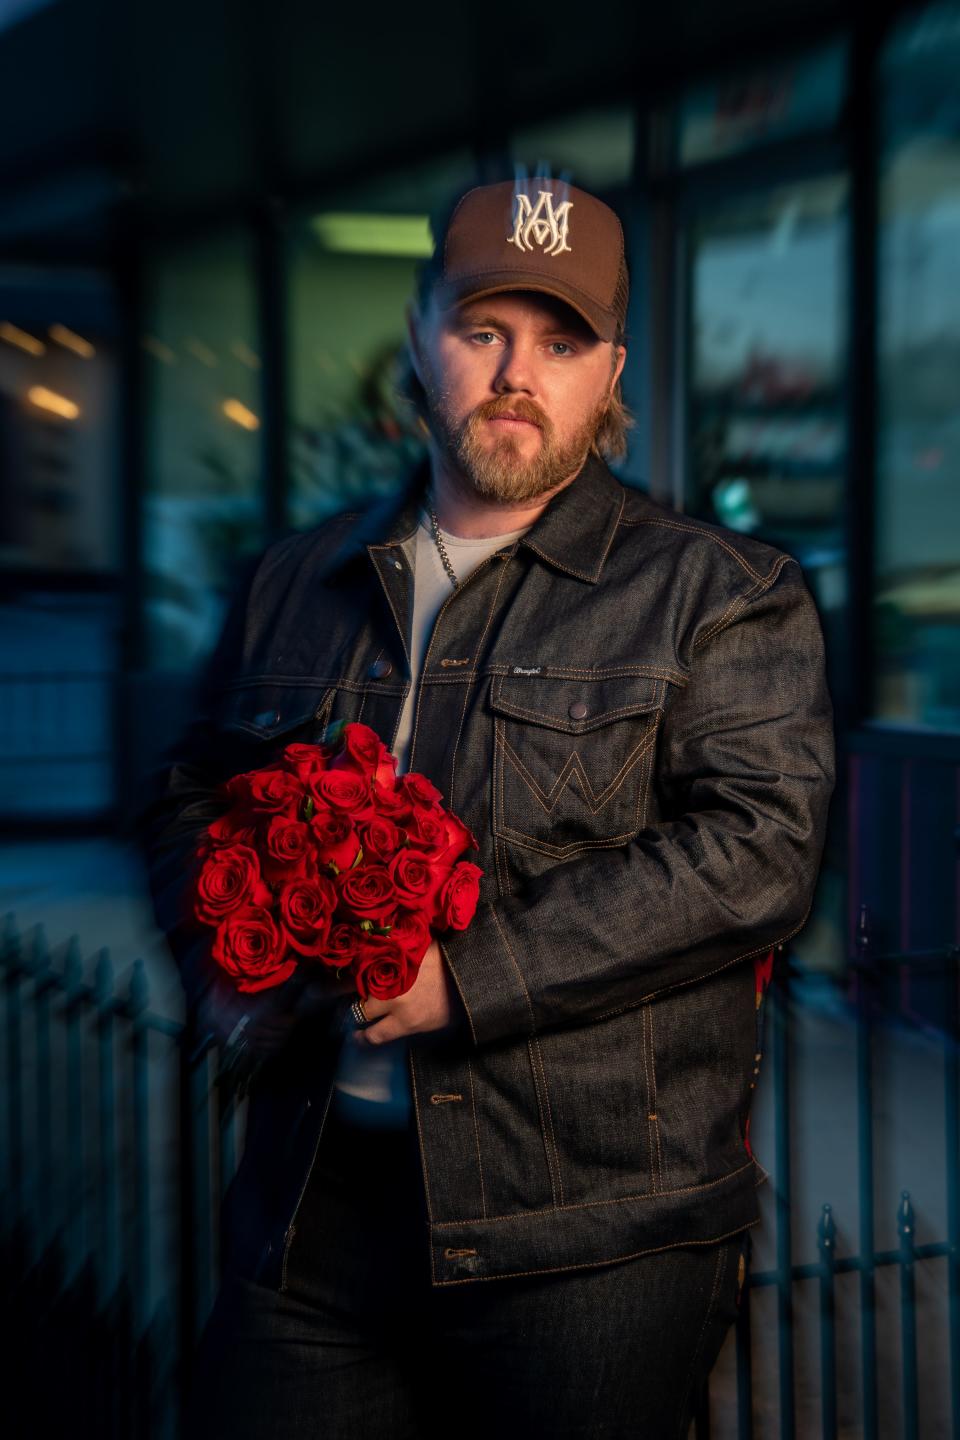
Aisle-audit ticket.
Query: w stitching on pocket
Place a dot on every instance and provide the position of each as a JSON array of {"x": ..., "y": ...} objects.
[
  {"x": 575, "y": 766},
  {"x": 563, "y": 852},
  {"x": 538, "y": 834}
]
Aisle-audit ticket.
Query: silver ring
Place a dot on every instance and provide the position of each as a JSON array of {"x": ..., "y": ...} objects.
[{"x": 356, "y": 1010}]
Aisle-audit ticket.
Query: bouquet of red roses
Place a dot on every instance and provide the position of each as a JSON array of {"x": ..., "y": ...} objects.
[{"x": 328, "y": 857}]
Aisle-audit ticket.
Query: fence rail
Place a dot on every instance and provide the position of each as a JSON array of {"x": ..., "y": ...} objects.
[{"x": 140, "y": 1120}]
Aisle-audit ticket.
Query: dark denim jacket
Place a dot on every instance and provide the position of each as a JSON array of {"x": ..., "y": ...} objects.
[{"x": 629, "y": 709}]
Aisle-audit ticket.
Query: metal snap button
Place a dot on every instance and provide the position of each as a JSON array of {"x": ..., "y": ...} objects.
[
  {"x": 398, "y": 565},
  {"x": 578, "y": 710},
  {"x": 380, "y": 669}
]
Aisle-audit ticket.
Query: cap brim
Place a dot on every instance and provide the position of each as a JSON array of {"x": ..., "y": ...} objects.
[{"x": 458, "y": 292}]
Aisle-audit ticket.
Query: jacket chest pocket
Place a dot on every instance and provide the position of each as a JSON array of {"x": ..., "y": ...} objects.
[
  {"x": 268, "y": 715},
  {"x": 572, "y": 759}
]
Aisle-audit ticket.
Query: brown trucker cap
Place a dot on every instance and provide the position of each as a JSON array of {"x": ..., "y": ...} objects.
[{"x": 536, "y": 234}]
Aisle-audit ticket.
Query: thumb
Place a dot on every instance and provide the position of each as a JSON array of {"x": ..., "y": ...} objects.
[{"x": 378, "y": 1034}]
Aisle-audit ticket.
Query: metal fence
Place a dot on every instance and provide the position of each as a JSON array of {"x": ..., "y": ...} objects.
[
  {"x": 113, "y": 1124},
  {"x": 109, "y": 1106},
  {"x": 873, "y": 997}
]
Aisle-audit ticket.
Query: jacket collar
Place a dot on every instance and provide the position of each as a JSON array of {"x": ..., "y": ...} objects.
[
  {"x": 574, "y": 532},
  {"x": 576, "y": 529}
]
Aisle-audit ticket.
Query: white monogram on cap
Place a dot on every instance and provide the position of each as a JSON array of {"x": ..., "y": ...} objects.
[{"x": 541, "y": 223}]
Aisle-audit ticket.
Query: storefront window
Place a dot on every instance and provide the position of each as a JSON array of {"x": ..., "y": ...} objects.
[
  {"x": 203, "y": 506},
  {"x": 592, "y": 148},
  {"x": 59, "y": 516},
  {"x": 778, "y": 102},
  {"x": 767, "y": 424},
  {"x": 352, "y": 268},
  {"x": 57, "y": 417},
  {"x": 917, "y": 597}
]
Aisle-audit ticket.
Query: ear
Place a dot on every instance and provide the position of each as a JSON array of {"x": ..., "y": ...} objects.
[{"x": 618, "y": 367}]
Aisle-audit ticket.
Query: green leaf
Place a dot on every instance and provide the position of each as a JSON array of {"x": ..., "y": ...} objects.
[
  {"x": 366, "y": 924},
  {"x": 382, "y": 929},
  {"x": 332, "y": 865},
  {"x": 308, "y": 807},
  {"x": 357, "y": 858}
]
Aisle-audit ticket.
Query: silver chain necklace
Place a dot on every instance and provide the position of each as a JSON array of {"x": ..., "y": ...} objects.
[{"x": 435, "y": 526}]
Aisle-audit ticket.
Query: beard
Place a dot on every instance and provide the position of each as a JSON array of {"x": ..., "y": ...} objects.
[{"x": 498, "y": 471}]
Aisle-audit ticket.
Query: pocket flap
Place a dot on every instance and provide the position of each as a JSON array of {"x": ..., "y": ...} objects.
[
  {"x": 574, "y": 706},
  {"x": 266, "y": 711}
]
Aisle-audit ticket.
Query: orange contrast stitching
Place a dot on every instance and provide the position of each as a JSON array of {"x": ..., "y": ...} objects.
[
  {"x": 593, "y": 1204},
  {"x": 583, "y": 1264}
]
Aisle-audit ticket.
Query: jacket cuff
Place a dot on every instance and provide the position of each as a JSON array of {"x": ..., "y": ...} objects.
[{"x": 488, "y": 977}]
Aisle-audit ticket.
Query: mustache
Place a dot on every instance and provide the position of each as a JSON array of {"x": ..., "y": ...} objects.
[{"x": 517, "y": 406}]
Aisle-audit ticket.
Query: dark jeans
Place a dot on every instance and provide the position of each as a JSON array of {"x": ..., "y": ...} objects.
[{"x": 360, "y": 1347}]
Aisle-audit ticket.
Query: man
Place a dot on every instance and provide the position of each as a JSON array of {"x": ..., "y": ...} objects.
[{"x": 515, "y": 1197}]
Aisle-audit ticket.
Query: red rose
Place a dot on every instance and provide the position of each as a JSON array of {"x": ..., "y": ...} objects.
[
  {"x": 457, "y": 901},
  {"x": 381, "y": 840},
  {"x": 341, "y": 946},
  {"x": 230, "y": 877},
  {"x": 392, "y": 804},
  {"x": 341, "y": 790},
  {"x": 364, "y": 751},
  {"x": 425, "y": 828},
  {"x": 385, "y": 775},
  {"x": 306, "y": 907},
  {"x": 336, "y": 840},
  {"x": 275, "y": 791},
  {"x": 458, "y": 838},
  {"x": 305, "y": 761},
  {"x": 412, "y": 932},
  {"x": 250, "y": 948},
  {"x": 419, "y": 790},
  {"x": 368, "y": 892},
  {"x": 415, "y": 878},
  {"x": 237, "y": 827},
  {"x": 289, "y": 850},
  {"x": 238, "y": 788},
  {"x": 382, "y": 968}
]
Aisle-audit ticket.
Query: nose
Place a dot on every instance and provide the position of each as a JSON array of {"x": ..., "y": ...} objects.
[{"x": 516, "y": 370}]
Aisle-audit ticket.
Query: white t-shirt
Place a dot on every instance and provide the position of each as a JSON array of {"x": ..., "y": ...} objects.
[{"x": 372, "y": 1084}]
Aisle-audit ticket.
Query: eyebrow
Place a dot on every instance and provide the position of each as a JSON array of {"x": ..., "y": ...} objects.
[
  {"x": 470, "y": 319},
  {"x": 465, "y": 318}
]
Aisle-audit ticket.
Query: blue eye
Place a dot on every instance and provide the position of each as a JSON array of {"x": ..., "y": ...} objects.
[
  {"x": 567, "y": 348},
  {"x": 484, "y": 335}
]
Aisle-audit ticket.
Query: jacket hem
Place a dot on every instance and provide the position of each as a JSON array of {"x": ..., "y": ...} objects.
[{"x": 573, "y": 1237}]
